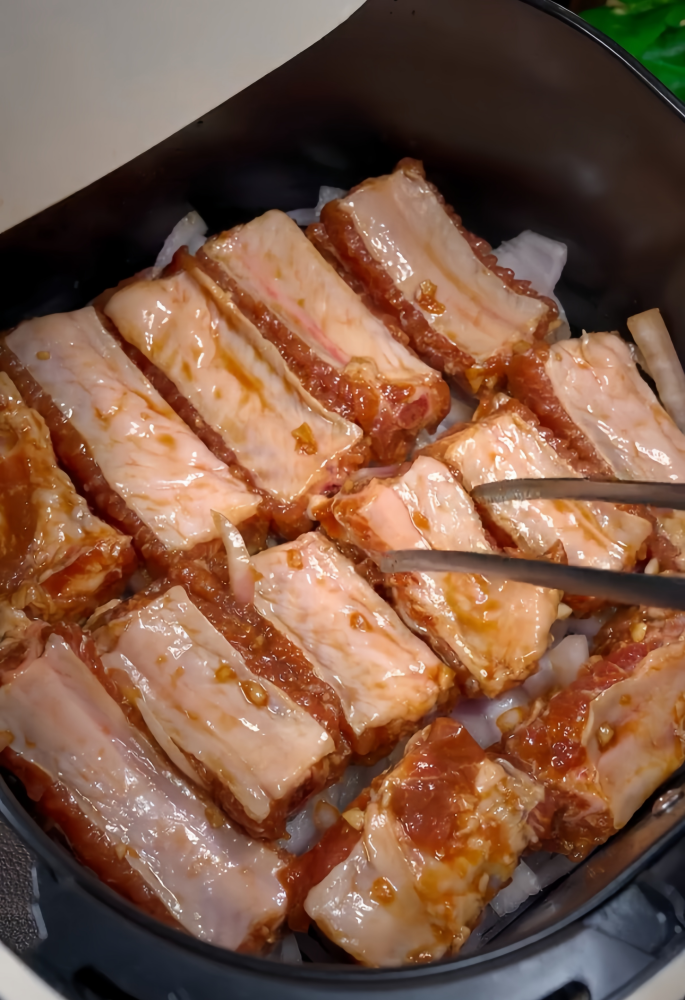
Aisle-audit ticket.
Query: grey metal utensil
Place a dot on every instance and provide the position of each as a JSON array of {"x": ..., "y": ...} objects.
[
  {"x": 618, "y": 588},
  {"x": 667, "y": 495}
]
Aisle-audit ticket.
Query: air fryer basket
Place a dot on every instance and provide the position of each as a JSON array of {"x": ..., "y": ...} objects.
[{"x": 526, "y": 119}]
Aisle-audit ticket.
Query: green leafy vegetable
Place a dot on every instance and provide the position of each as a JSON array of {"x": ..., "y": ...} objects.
[{"x": 651, "y": 30}]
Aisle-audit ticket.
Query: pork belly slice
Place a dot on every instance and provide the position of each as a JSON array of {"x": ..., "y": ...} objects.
[
  {"x": 591, "y": 394},
  {"x": 510, "y": 445},
  {"x": 125, "y": 811},
  {"x": 605, "y": 743},
  {"x": 387, "y": 679},
  {"x": 492, "y": 632},
  {"x": 230, "y": 384},
  {"x": 441, "y": 833},
  {"x": 57, "y": 560},
  {"x": 257, "y": 752},
  {"x": 135, "y": 459},
  {"x": 341, "y": 352},
  {"x": 463, "y": 314}
]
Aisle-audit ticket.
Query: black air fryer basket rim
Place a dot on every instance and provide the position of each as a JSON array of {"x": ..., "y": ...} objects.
[
  {"x": 66, "y": 868},
  {"x": 633, "y": 64},
  {"x": 60, "y": 861}
]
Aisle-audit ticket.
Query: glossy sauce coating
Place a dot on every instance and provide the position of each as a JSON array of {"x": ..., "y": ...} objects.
[
  {"x": 606, "y": 742},
  {"x": 146, "y": 453},
  {"x": 56, "y": 558},
  {"x": 210, "y": 713},
  {"x": 590, "y": 392},
  {"x": 436, "y": 271},
  {"x": 441, "y": 833},
  {"x": 344, "y": 354},
  {"x": 385, "y": 677},
  {"x": 507, "y": 446},
  {"x": 492, "y": 631},
  {"x": 215, "y": 882},
  {"x": 237, "y": 381}
]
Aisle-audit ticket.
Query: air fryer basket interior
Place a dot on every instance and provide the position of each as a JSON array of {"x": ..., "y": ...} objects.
[{"x": 524, "y": 122}]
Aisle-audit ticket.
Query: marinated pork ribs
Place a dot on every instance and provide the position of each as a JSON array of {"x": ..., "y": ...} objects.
[
  {"x": 417, "y": 859},
  {"x": 605, "y": 743},
  {"x": 409, "y": 252},
  {"x": 230, "y": 384},
  {"x": 342, "y": 353},
  {"x": 591, "y": 394},
  {"x": 139, "y": 465},
  {"x": 57, "y": 560},
  {"x": 492, "y": 632},
  {"x": 509, "y": 444},
  {"x": 127, "y": 813},
  {"x": 198, "y": 739},
  {"x": 387, "y": 679},
  {"x": 237, "y": 734}
]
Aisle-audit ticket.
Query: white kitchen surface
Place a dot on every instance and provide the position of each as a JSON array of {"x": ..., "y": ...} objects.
[
  {"x": 87, "y": 85},
  {"x": 17, "y": 982}
]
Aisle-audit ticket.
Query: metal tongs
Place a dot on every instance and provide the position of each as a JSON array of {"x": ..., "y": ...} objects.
[{"x": 658, "y": 591}]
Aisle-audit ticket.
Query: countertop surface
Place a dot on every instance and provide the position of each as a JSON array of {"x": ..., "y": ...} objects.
[{"x": 87, "y": 84}]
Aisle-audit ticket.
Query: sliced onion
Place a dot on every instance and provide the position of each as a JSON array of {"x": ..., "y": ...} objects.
[
  {"x": 240, "y": 569},
  {"x": 306, "y": 216},
  {"x": 189, "y": 231},
  {"x": 524, "y": 883},
  {"x": 652, "y": 337},
  {"x": 568, "y": 657},
  {"x": 378, "y": 472}
]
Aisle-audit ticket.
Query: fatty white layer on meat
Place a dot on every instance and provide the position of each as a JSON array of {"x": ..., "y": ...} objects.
[
  {"x": 645, "y": 715},
  {"x": 198, "y": 697},
  {"x": 146, "y": 453},
  {"x": 408, "y": 232},
  {"x": 598, "y": 384},
  {"x": 506, "y": 446},
  {"x": 219, "y": 884},
  {"x": 63, "y": 526},
  {"x": 235, "y": 379},
  {"x": 498, "y": 629},
  {"x": 394, "y": 901},
  {"x": 273, "y": 260},
  {"x": 382, "y": 673}
]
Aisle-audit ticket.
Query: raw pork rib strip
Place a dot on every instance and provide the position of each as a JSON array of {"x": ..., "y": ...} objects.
[
  {"x": 135, "y": 459},
  {"x": 57, "y": 560},
  {"x": 591, "y": 394},
  {"x": 441, "y": 833},
  {"x": 463, "y": 314},
  {"x": 267, "y": 651},
  {"x": 604, "y": 744},
  {"x": 510, "y": 445},
  {"x": 387, "y": 679},
  {"x": 492, "y": 632},
  {"x": 231, "y": 385},
  {"x": 341, "y": 352},
  {"x": 245, "y": 740},
  {"x": 126, "y": 813}
]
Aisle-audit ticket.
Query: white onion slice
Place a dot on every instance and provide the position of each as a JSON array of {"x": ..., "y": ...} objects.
[
  {"x": 241, "y": 572},
  {"x": 307, "y": 216},
  {"x": 190, "y": 231},
  {"x": 652, "y": 337},
  {"x": 537, "y": 259},
  {"x": 568, "y": 657},
  {"x": 524, "y": 883},
  {"x": 534, "y": 258}
]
